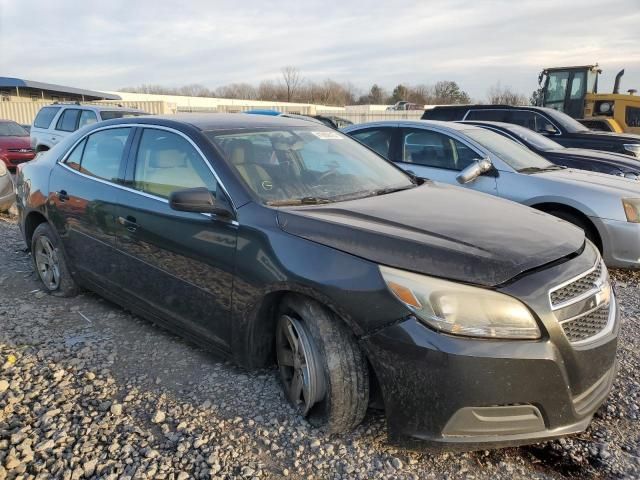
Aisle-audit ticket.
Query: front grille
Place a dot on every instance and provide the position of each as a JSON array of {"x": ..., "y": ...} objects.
[
  {"x": 20, "y": 150},
  {"x": 587, "y": 326},
  {"x": 576, "y": 288}
]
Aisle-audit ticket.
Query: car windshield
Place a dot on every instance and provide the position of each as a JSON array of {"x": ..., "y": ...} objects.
[
  {"x": 10, "y": 129},
  {"x": 538, "y": 141},
  {"x": 308, "y": 165},
  {"x": 520, "y": 158},
  {"x": 108, "y": 115},
  {"x": 566, "y": 121}
]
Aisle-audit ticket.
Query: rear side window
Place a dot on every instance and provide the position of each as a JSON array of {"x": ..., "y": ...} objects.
[
  {"x": 166, "y": 162},
  {"x": 100, "y": 154},
  {"x": 488, "y": 115},
  {"x": 109, "y": 115},
  {"x": 531, "y": 120},
  {"x": 45, "y": 116},
  {"x": 377, "y": 139},
  {"x": 68, "y": 121},
  {"x": 87, "y": 117}
]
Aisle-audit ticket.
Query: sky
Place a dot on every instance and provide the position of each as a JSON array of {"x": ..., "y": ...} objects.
[{"x": 118, "y": 43}]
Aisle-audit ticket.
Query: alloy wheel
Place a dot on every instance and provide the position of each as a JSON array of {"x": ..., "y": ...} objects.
[
  {"x": 47, "y": 263},
  {"x": 300, "y": 370}
]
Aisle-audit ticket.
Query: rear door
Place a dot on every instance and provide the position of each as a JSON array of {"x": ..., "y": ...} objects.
[
  {"x": 438, "y": 156},
  {"x": 179, "y": 264},
  {"x": 83, "y": 189}
]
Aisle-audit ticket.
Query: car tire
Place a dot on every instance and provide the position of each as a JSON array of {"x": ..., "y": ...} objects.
[
  {"x": 329, "y": 363},
  {"x": 50, "y": 263},
  {"x": 588, "y": 229}
]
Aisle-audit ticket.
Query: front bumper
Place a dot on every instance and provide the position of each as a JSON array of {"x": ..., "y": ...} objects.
[
  {"x": 621, "y": 242},
  {"x": 13, "y": 159},
  {"x": 446, "y": 392}
]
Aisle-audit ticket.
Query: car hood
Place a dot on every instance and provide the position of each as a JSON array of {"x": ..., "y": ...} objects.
[
  {"x": 15, "y": 142},
  {"x": 632, "y": 138},
  {"x": 624, "y": 162},
  {"x": 595, "y": 180},
  {"x": 439, "y": 230}
]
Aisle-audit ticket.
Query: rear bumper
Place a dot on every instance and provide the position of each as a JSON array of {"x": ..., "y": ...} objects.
[
  {"x": 455, "y": 393},
  {"x": 7, "y": 195},
  {"x": 621, "y": 242},
  {"x": 13, "y": 159}
]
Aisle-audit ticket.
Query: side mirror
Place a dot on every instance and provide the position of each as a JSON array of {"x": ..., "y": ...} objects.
[
  {"x": 474, "y": 170},
  {"x": 198, "y": 200},
  {"x": 548, "y": 129}
]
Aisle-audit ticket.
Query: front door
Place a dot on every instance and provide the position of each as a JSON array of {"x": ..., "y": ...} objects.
[
  {"x": 180, "y": 264},
  {"x": 440, "y": 157},
  {"x": 83, "y": 189}
]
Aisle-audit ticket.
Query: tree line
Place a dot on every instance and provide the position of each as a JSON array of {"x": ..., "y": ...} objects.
[{"x": 292, "y": 87}]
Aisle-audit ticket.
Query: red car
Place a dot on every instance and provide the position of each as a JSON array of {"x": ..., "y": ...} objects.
[{"x": 15, "y": 144}]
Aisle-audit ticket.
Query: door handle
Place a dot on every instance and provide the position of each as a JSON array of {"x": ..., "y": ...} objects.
[
  {"x": 129, "y": 222},
  {"x": 62, "y": 195}
]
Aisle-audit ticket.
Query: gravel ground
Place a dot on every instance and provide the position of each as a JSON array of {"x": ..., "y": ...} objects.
[{"x": 89, "y": 391}]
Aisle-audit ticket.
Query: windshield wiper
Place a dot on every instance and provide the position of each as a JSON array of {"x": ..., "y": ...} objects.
[
  {"x": 384, "y": 191},
  {"x": 540, "y": 169},
  {"x": 299, "y": 201}
]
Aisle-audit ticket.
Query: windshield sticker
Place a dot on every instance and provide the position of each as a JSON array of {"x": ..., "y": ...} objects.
[{"x": 328, "y": 135}]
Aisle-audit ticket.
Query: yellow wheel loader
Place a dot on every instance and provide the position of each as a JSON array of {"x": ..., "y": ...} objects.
[{"x": 574, "y": 91}]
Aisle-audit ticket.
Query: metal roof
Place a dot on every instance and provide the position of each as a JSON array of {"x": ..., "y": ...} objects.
[{"x": 10, "y": 82}]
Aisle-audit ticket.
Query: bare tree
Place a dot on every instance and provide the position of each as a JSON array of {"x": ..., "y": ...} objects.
[
  {"x": 499, "y": 95},
  {"x": 292, "y": 80}
]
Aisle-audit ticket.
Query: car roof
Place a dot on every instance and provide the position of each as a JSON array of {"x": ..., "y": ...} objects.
[
  {"x": 221, "y": 121},
  {"x": 413, "y": 123},
  {"x": 479, "y": 106},
  {"x": 96, "y": 108}
]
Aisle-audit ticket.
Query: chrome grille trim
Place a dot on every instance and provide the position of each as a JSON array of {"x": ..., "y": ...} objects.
[
  {"x": 585, "y": 305},
  {"x": 597, "y": 267}
]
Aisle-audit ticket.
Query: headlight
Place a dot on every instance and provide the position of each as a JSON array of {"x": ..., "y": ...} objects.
[
  {"x": 633, "y": 148},
  {"x": 460, "y": 309},
  {"x": 3, "y": 169},
  {"x": 631, "y": 209},
  {"x": 605, "y": 107}
]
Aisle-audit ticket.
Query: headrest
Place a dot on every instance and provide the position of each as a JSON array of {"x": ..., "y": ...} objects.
[
  {"x": 240, "y": 151},
  {"x": 166, "y": 154}
]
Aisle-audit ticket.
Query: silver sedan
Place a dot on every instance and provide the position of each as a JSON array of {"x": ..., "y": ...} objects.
[{"x": 606, "y": 207}]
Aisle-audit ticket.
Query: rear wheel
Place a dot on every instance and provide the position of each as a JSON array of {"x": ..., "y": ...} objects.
[
  {"x": 50, "y": 263},
  {"x": 322, "y": 369}
]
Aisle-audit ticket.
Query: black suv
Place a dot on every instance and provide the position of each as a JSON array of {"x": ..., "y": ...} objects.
[{"x": 547, "y": 121}]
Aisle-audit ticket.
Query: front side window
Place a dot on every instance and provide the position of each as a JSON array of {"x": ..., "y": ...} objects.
[
  {"x": 305, "y": 165},
  {"x": 531, "y": 120},
  {"x": 102, "y": 153},
  {"x": 377, "y": 139},
  {"x": 87, "y": 117},
  {"x": 68, "y": 120},
  {"x": 45, "y": 116},
  {"x": 167, "y": 162},
  {"x": 435, "y": 149}
]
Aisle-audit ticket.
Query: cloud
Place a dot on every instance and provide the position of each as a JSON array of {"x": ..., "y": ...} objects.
[{"x": 119, "y": 43}]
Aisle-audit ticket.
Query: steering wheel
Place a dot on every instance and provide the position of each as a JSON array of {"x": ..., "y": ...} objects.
[{"x": 332, "y": 171}]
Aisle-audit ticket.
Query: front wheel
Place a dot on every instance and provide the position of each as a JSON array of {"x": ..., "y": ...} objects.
[
  {"x": 50, "y": 263},
  {"x": 323, "y": 371}
]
